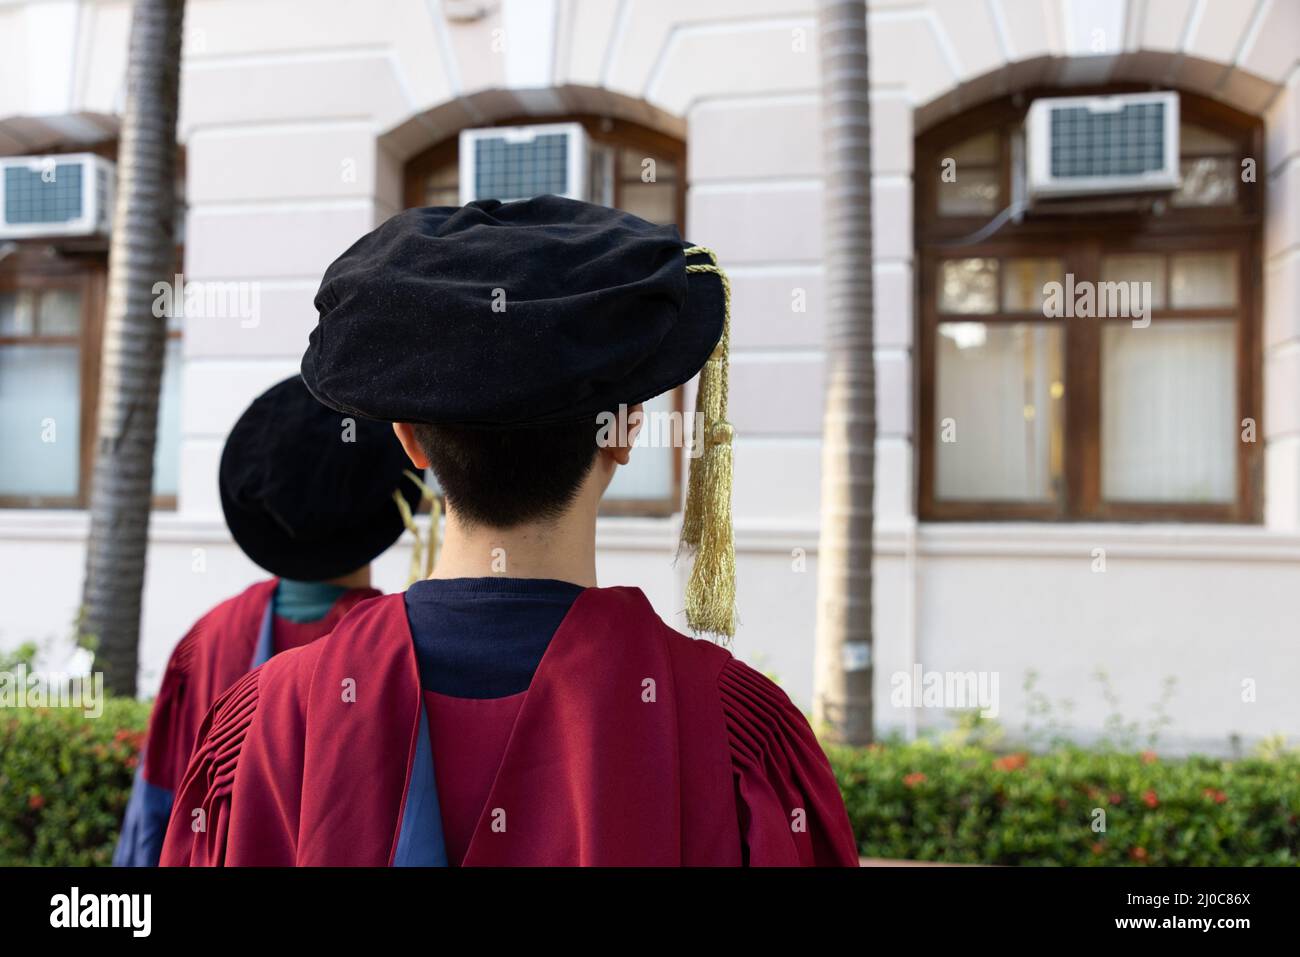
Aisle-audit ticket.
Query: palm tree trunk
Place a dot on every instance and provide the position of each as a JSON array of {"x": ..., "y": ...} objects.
[
  {"x": 842, "y": 707},
  {"x": 141, "y": 254}
]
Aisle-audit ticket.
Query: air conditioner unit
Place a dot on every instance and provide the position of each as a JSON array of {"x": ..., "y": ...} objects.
[
  {"x": 516, "y": 162},
  {"x": 1090, "y": 145},
  {"x": 60, "y": 195}
]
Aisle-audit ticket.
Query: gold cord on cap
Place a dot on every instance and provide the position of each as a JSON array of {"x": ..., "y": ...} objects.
[
  {"x": 706, "y": 525},
  {"x": 408, "y": 519}
]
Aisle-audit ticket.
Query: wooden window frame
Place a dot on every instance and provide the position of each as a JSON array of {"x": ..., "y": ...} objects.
[
  {"x": 620, "y": 135},
  {"x": 36, "y": 266},
  {"x": 29, "y": 269},
  {"x": 1080, "y": 243},
  {"x": 604, "y": 131}
]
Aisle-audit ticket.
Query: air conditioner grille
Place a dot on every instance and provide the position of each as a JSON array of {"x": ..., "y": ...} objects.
[
  {"x": 512, "y": 170},
  {"x": 34, "y": 196},
  {"x": 1125, "y": 142}
]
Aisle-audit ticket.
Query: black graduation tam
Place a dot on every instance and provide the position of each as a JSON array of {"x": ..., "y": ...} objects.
[
  {"x": 548, "y": 310},
  {"x": 308, "y": 495},
  {"x": 527, "y": 313}
]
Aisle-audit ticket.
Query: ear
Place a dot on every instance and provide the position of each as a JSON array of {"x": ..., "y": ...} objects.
[
  {"x": 630, "y": 419},
  {"x": 406, "y": 435}
]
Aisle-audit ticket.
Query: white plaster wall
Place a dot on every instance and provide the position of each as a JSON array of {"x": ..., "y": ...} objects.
[{"x": 296, "y": 115}]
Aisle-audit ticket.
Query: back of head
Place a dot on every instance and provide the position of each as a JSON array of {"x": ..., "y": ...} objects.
[{"x": 501, "y": 478}]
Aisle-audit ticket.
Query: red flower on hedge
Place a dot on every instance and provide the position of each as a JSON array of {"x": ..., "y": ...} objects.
[
  {"x": 1215, "y": 795},
  {"x": 1138, "y": 853},
  {"x": 1150, "y": 799},
  {"x": 1098, "y": 847},
  {"x": 913, "y": 779},
  {"x": 1149, "y": 757},
  {"x": 132, "y": 761},
  {"x": 1116, "y": 798},
  {"x": 1010, "y": 762},
  {"x": 36, "y": 802}
]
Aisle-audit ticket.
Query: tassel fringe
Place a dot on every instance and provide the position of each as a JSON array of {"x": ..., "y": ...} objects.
[
  {"x": 706, "y": 524},
  {"x": 418, "y": 551}
]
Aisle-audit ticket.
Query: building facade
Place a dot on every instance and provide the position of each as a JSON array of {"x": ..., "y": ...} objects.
[{"x": 1118, "y": 527}]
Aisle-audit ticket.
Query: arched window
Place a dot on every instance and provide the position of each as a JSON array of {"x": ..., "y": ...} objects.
[
  {"x": 1028, "y": 413},
  {"x": 629, "y": 167},
  {"x": 53, "y": 295}
]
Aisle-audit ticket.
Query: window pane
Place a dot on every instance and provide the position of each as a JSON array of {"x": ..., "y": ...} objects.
[
  {"x": 1203, "y": 279},
  {"x": 167, "y": 452},
  {"x": 1198, "y": 140},
  {"x": 600, "y": 175},
  {"x": 973, "y": 193},
  {"x": 649, "y": 475},
  {"x": 60, "y": 312},
  {"x": 968, "y": 286},
  {"x": 1023, "y": 282},
  {"x": 446, "y": 176},
  {"x": 1138, "y": 268},
  {"x": 1168, "y": 430},
  {"x": 442, "y": 197},
  {"x": 653, "y": 202},
  {"x": 999, "y": 398},
  {"x": 1207, "y": 181},
  {"x": 17, "y": 313},
  {"x": 442, "y": 186},
  {"x": 40, "y": 411},
  {"x": 979, "y": 150},
  {"x": 632, "y": 166}
]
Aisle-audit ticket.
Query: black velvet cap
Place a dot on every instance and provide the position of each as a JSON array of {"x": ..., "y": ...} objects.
[
  {"x": 301, "y": 500},
  {"x": 497, "y": 315}
]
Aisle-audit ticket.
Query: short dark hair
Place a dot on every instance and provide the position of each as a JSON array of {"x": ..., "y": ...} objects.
[{"x": 505, "y": 477}]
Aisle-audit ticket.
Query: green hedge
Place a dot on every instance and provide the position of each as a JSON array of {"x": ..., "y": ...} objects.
[
  {"x": 65, "y": 778},
  {"x": 966, "y": 804},
  {"x": 64, "y": 781}
]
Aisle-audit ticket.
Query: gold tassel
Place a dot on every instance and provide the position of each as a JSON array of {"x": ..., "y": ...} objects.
[
  {"x": 408, "y": 519},
  {"x": 706, "y": 524}
]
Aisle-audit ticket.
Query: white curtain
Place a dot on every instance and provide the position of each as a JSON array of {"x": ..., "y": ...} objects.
[
  {"x": 1169, "y": 431},
  {"x": 40, "y": 412},
  {"x": 167, "y": 454},
  {"x": 1001, "y": 385}
]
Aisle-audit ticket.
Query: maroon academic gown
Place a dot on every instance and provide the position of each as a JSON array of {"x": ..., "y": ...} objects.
[
  {"x": 633, "y": 745},
  {"x": 212, "y": 656},
  {"x": 220, "y": 649}
]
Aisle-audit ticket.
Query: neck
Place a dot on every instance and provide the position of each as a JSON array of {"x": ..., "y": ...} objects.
[
  {"x": 357, "y": 579},
  {"x": 563, "y": 549}
]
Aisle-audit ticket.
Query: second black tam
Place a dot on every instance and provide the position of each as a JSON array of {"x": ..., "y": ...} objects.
[{"x": 307, "y": 492}]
